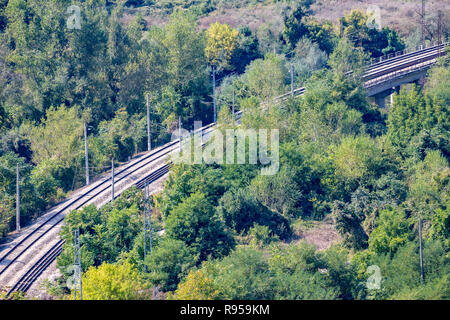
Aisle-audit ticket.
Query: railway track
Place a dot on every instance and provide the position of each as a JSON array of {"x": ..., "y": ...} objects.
[
  {"x": 401, "y": 63},
  {"x": 38, "y": 268},
  {"x": 19, "y": 276},
  {"x": 46, "y": 234}
]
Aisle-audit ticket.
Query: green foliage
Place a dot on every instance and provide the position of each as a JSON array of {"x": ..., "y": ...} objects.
[
  {"x": 30, "y": 203},
  {"x": 294, "y": 26},
  {"x": 308, "y": 58},
  {"x": 186, "y": 65},
  {"x": 240, "y": 210},
  {"x": 392, "y": 231},
  {"x": 266, "y": 78},
  {"x": 281, "y": 192},
  {"x": 260, "y": 236},
  {"x": 355, "y": 161},
  {"x": 115, "y": 282},
  {"x": 338, "y": 154},
  {"x": 169, "y": 263},
  {"x": 401, "y": 272},
  {"x": 374, "y": 42},
  {"x": 58, "y": 138},
  {"x": 194, "y": 222},
  {"x": 246, "y": 49},
  {"x": 104, "y": 234},
  {"x": 348, "y": 224},
  {"x": 346, "y": 57},
  {"x": 322, "y": 34},
  {"x": 185, "y": 180},
  {"x": 118, "y": 139},
  {"x": 292, "y": 272}
]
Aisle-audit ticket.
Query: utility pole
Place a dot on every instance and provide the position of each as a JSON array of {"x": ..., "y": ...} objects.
[
  {"x": 147, "y": 223},
  {"x": 421, "y": 249},
  {"x": 77, "y": 265},
  {"x": 149, "y": 138},
  {"x": 214, "y": 92},
  {"x": 179, "y": 131},
  {"x": 148, "y": 229},
  {"x": 292, "y": 79},
  {"x": 17, "y": 198},
  {"x": 112, "y": 180},
  {"x": 86, "y": 154},
  {"x": 423, "y": 24},
  {"x": 439, "y": 31},
  {"x": 232, "y": 108}
]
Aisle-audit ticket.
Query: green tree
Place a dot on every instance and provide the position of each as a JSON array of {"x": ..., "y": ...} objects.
[
  {"x": 294, "y": 24},
  {"x": 194, "y": 222},
  {"x": 240, "y": 210},
  {"x": 59, "y": 138},
  {"x": 266, "y": 77},
  {"x": 198, "y": 286},
  {"x": 185, "y": 50},
  {"x": 115, "y": 282},
  {"x": 30, "y": 203},
  {"x": 356, "y": 159},
  {"x": 280, "y": 192},
  {"x": 169, "y": 263},
  {"x": 57, "y": 144},
  {"x": 105, "y": 234},
  {"x": 373, "y": 41},
  {"x": 392, "y": 231},
  {"x": 349, "y": 225},
  {"x": 246, "y": 49},
  {"x": 428, "y": 190}
]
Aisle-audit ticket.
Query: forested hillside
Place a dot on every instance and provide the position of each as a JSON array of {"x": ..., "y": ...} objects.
[{"x": 226, "y": 231}]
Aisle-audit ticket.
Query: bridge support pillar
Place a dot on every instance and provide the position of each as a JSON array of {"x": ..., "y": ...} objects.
[
  {"x": 380, "y": 98},
  {"x": 419, "y": 83},
  {"x": 394, "y": 90}
]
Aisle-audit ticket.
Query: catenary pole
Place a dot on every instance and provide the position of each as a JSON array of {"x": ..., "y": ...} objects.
[
  {"x": 233, "y": 108},
  {"x": 17, "y": 198},
  {"x": 423, "y": 24},
  {"x": 86, "y": 153},
  {"x": 421, "y": 249},
  {"x": 149, "y": 136},
  {"x": 214, "y": 93},
  {"x": 292, "y": 79},
  {"x": 112, "y": 180},
  {"x": 179, "y": 131}
]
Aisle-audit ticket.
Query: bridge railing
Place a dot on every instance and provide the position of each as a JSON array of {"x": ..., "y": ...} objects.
[
  {"x": 422, "y": 64},
  {"x": 398, "y": 54},
  {"x": 406, "y": 51}
]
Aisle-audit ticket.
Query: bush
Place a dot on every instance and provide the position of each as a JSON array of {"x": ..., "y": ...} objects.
[
  {"x": 169, "y": 263},
  {"x": 193, "y": 221},
  {"x": 240, "y": 210}
]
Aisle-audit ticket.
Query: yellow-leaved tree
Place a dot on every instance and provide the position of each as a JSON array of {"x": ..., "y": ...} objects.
[
  {"x": 198, "y": 286},
  {"x": 120, "y": 281},
  {"x": 221, "y": 42}
]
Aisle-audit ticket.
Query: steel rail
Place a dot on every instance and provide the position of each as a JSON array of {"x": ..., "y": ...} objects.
[{"x": 37, "y": 268}]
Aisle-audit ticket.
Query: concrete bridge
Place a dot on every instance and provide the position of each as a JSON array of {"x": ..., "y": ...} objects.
[
  {"x": 385, "y": 78},
  {"x": 385, "y": 75}
]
